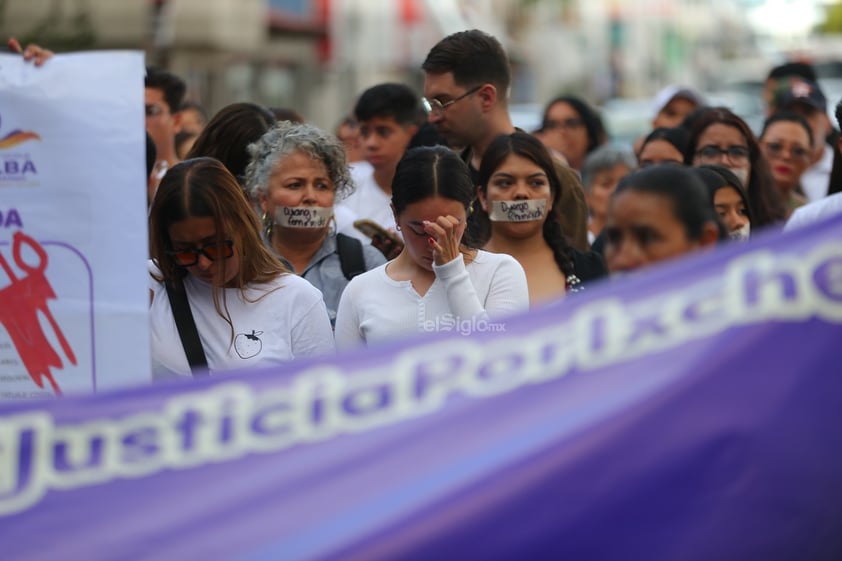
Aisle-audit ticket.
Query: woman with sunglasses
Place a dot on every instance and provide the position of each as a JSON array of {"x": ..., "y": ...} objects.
[
  {"x": 248, "y": 309},
  {"x": 787, "y": 143},
  {"x": 438, "y": 282},
  {"x": 719, "y": 137}
]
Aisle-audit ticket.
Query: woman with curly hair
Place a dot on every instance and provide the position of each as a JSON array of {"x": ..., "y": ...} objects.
[{"x": 297, "y": 173}]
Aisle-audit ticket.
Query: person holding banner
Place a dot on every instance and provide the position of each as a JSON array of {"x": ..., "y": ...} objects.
[
  {"x": 35, "y": 53},
  {"x": 247, "y": 308},
  {"x": 656, "y": 214},
  {"x": 438, "y": 282},
  {"x": 519, "y": 193},
  {"x": 297, "y": 173}
]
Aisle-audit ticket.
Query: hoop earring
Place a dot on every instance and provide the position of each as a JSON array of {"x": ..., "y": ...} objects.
[
  {"x": 398, "y": 227},
  {"x": 268, "y": 226}
]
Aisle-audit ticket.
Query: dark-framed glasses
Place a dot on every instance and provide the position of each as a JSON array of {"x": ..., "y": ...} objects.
[
  {"x": 214, "y": 251},
  {"x": 436, "y": 106},
  {"x": 776, "y": 149},
  {"x": 735, "y": 154}
]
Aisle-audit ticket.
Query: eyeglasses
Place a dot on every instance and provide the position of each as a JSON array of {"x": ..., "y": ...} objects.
[
  {"x": 153, "y": 110},
  {"x": 736, "y": 154},
  {"x": 436, "y": 106},
  {"x": 776, "y": 149},
  {"x": 567, "y": 124},
  {"x": 213, "y": 251}
]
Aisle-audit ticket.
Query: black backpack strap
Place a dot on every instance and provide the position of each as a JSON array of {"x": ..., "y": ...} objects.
[
  {"x": 186, "y": 325},
  {"x": 350, "y": 255}
]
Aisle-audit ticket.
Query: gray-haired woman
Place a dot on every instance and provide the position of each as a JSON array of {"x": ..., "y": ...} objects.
[{"x": 297, "y": 173}]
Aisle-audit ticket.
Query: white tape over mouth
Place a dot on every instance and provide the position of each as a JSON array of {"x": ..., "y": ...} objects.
[
  {"x": 526, "y": 210},
  {"x": 741, "y": 234},
  {"x": 303, "y": 216}
]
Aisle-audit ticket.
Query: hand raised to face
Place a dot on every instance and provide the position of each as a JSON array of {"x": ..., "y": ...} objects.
[{"x": 445, "y": 237}]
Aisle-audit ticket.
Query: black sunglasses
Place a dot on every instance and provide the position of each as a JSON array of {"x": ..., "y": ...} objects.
[{"x": 213, "y": 251}]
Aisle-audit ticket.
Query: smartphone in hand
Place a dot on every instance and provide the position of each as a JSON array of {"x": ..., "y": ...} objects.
[
  {"x": 389, "y": 243},
  {"x": 372, "y": 229}
]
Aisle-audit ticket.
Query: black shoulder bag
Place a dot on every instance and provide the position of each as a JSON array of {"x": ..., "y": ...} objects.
[
  {"x": 187, "y": 328},
  {"x": 351, "y": 257}
]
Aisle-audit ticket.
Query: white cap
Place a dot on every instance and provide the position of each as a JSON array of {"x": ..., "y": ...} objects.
[{"x": 667, "y": 94}]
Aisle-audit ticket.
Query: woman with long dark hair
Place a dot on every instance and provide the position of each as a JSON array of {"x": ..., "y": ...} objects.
[
  {"x": 657, "y": 214},
  {"x": 719, "y": 137},
  {"x": 519, "y": 194},
  {"x": 439, "y": 281}
]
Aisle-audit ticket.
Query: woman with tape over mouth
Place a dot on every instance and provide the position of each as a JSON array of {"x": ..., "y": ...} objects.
[
  {"x": 439, "y": 280},
  {"x": 296, "y": 174},
  {"x": 658, "y": 214},
  {"x": 519, "y": 214}
]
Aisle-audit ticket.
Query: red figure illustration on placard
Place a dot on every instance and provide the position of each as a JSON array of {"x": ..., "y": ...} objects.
[{"x": 20, "y": 303}]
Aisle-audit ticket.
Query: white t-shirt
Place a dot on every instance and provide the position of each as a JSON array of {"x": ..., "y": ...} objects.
[
  {"x": 275, "y": 323},
  {"x": 368, "y": 200},
  {"x": 374, "y": 307}
]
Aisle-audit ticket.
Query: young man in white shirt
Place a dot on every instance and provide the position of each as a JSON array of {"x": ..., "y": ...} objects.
[{"x": 387, "y": 115}]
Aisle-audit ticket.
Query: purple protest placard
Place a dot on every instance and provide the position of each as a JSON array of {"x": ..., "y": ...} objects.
[{"x": 689, "y": 412}]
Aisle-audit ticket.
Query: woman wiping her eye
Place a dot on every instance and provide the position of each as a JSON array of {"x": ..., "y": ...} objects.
[{"x": 438, "y": 282}]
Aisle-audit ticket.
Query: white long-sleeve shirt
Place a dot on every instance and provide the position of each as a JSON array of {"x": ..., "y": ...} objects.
[{"x": 374, "y": 307}]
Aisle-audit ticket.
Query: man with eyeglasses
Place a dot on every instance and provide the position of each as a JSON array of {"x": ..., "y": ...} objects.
[
  {"x": 163, "y": 96},
  {"x": 466, "y": 86}
]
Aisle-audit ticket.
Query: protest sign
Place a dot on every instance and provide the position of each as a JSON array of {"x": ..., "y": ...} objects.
[
  {"x": 73, "y": 245},
  {"x": 687, "y": 412}
]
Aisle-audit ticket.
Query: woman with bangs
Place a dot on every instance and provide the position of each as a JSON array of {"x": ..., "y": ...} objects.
[
  {"x": 206, "y": 249},
  {"x": 719, "y": 137}
]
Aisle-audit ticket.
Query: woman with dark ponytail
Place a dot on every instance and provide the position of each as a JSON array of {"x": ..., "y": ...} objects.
[{"x": 519, "y": 212}]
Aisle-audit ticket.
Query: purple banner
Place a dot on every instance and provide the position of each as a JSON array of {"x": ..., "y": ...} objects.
[{"x": 689, "y": 412}]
